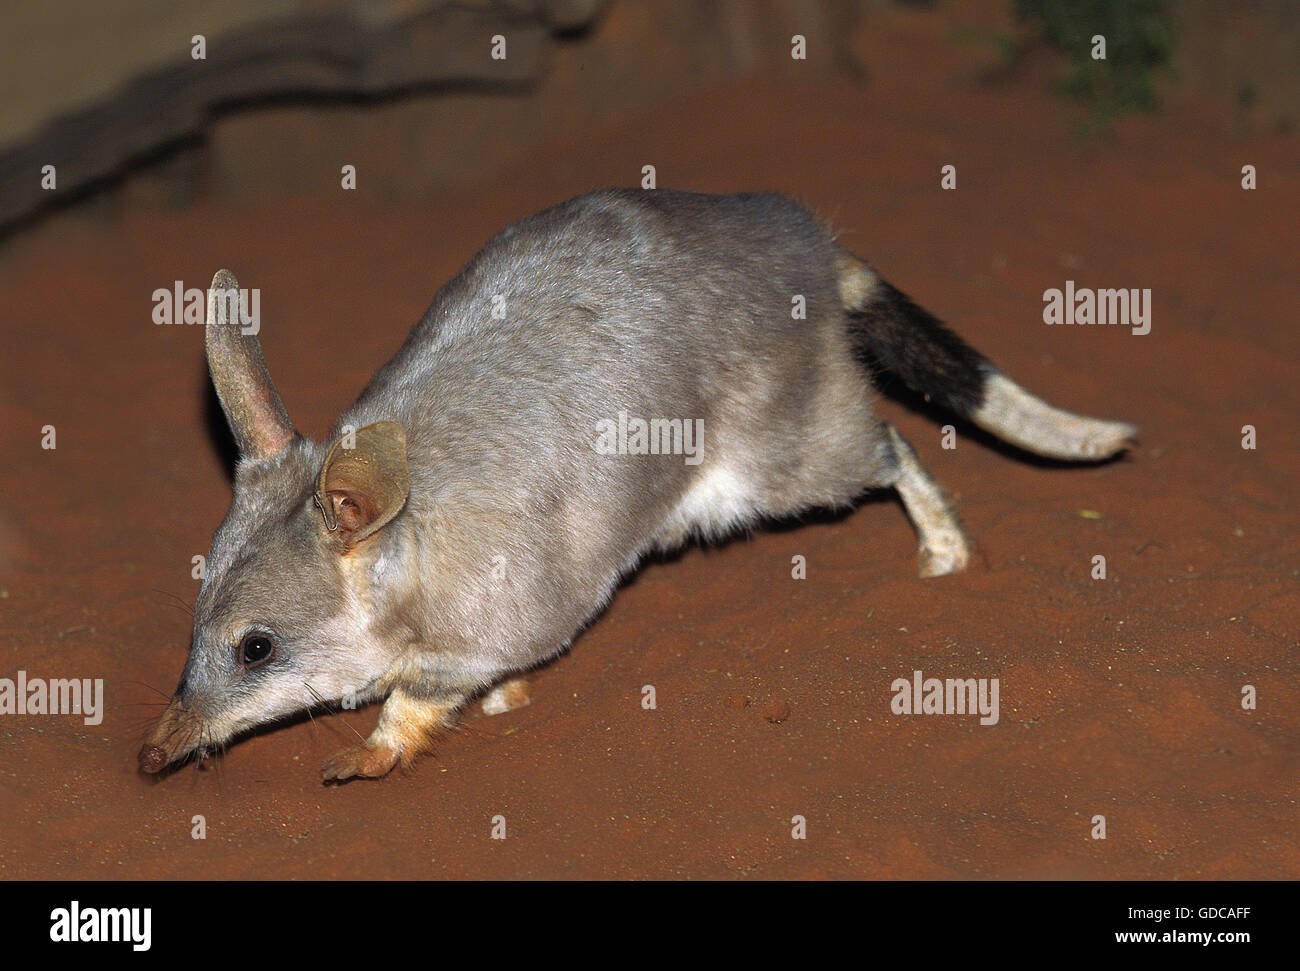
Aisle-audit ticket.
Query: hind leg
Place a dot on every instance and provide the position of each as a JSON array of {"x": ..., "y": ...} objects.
[{"x": 943, "y": 548}]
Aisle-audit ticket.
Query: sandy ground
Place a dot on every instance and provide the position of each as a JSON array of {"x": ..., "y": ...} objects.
[{"x": 1118, "y": 697}]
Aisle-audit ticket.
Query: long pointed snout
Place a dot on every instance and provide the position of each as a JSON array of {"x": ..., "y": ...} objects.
[{"x": 176, "y": 735}]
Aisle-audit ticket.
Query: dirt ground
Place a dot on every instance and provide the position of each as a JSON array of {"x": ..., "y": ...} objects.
[{"x": 1119, "y": 697}]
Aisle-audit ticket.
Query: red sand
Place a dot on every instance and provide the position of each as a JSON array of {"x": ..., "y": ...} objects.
[{"x": 1119, "y": 698}]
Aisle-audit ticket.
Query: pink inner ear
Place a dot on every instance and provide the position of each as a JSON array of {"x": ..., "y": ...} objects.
[{"x": 352, "y": 510}]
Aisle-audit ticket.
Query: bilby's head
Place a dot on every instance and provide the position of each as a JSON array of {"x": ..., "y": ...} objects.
[{"x": 283, "y": 621}]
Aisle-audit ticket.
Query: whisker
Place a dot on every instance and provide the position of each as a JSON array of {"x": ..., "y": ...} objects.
[
  {"x": 150, "y": 687},
  {"x": 316, "y": 694},
  {"x": 181, "y": 601},
  {"x": 464, "y": 726},
  {"x": 141, "y": 727},
  {"x": 218, "y": 761}
]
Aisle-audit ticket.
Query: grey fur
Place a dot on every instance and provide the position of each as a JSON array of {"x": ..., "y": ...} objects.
[{"x": 516, "y": 530}]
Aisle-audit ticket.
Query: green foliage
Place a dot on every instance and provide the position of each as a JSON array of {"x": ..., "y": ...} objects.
[{"x": 1139, "y": 41}]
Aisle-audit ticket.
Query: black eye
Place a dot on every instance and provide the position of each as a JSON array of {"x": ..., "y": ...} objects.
[{"x": 256, "y": 649}]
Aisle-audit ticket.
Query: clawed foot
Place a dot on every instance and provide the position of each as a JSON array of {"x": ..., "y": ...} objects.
[
  {"x": 359, "y": 761},
  {"x": 406, "y": 727}
]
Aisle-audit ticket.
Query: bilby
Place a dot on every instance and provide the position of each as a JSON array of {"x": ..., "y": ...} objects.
[{"x": 467, "y": 516}]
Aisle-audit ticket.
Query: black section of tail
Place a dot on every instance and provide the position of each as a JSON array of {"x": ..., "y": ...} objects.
[{"x": 892, "y": 333}]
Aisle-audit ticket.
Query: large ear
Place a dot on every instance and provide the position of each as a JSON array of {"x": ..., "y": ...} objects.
[
  {"x": 253, "y": 407},
  {"x": 363, "y": 487}
]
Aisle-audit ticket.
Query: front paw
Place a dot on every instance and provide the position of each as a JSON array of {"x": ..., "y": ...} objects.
[{"x": 359, "y": 761}]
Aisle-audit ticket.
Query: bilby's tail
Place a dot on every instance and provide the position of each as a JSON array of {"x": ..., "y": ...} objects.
[{"x": 914, "y": 345}]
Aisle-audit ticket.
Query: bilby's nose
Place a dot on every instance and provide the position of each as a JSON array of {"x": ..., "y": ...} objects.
[{"x": 152, "y": 759}]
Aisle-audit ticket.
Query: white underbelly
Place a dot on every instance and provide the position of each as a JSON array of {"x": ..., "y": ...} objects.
[{"x": 717, "y": 502}]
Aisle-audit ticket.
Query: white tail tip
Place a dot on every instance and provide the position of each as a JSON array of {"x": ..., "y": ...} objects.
[{"x": 1014, "y": 415}]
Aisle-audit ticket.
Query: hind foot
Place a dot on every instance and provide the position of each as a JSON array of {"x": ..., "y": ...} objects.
[
  {"x": 507, "y": 696},
  {"x": 943, "y": 548},
  {"x": 943, "y": 555}
]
